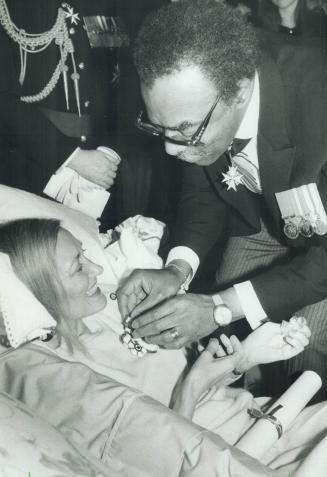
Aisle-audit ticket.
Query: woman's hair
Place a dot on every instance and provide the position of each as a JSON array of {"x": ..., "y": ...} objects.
[{"x": 31, "y": 246}]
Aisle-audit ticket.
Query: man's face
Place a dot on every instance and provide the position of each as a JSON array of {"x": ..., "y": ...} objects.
[{"x": 182, "y": 100}]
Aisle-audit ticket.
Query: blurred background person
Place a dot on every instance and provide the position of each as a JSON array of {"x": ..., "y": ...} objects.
[{"x": 292, "y": 18}]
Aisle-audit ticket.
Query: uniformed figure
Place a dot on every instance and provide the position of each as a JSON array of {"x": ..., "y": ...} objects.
[{"x": 52, "y": 99}]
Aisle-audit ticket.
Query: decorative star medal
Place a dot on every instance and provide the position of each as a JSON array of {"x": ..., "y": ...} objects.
[
  {"x": 136, "y": 346},
  {"x": 232, "y": 178},
  {"x": 70, "y": 14}
]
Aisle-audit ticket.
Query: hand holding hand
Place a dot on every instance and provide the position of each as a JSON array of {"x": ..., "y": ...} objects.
[
  {"x": 208, "y": 371},
  {"x": 98, "y": 166}
]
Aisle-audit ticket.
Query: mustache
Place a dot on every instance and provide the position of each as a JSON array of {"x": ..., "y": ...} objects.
[{"x": 191, "y": 154}]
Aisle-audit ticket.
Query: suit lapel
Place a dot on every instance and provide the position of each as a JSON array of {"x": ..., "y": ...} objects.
[
  {"x": 275, "y": 152},
  {"x": 242, "y": 200}
]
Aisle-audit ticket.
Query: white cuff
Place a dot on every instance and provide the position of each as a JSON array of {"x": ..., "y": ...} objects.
[
  {"x": 250, "y": 304},
  {"x": 186, "y": 254},
  {"x": 71, "y": 189}
]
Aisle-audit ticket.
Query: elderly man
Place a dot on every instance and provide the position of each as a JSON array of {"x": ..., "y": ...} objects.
[{"x": 252, "y": 135}]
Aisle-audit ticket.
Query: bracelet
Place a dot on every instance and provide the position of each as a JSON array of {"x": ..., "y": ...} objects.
[
  {"x": 216, "y": 298},
  {"x": 183, "y": 286},
  {"x": 258, "y": 414}
]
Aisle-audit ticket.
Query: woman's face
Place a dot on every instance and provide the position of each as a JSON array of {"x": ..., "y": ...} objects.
[{"x": 78, "y": 277}]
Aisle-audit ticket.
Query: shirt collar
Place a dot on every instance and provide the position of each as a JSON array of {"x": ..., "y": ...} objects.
[{"x": 249, "y": 125}]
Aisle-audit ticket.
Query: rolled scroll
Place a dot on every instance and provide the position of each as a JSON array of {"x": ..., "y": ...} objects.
[{"x": 265, "y": 432}]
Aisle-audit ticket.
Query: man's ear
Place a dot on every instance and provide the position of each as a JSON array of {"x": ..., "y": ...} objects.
[{"x": 244, "y": 92}]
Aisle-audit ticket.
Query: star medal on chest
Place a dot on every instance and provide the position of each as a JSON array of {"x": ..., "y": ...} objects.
[
  {"x": 137, "y": 347},
  {"x": 232, "y": 178},
  {"x": 70, "y": 14}
]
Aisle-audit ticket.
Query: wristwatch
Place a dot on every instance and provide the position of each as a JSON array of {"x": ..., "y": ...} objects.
[{"x": 222, "y": 315}]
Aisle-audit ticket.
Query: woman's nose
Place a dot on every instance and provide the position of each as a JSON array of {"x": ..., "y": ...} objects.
[{"x": 93, "y": 268}]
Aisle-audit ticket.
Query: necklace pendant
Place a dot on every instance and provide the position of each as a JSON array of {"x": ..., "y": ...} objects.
[{"x": 232, "y": 178}]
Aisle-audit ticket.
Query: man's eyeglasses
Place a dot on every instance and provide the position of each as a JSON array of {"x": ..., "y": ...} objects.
[{"x": 160, "y": 131}]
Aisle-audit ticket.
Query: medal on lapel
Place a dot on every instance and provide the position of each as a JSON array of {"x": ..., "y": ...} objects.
[
  {"x": 232, "y": 178},
  {"x": 302, "y": 211}
]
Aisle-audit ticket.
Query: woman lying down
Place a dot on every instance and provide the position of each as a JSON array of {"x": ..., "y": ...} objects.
[{"x": 45, "y": 278}]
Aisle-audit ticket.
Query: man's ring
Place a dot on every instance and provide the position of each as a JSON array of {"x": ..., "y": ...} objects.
[{"x": 174, "y": 334}]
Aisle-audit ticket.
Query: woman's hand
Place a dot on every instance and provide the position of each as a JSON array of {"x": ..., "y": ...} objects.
[
  {"x": 213, "y": 365},
  {"x": 210, "y": 369},
  {"x": 275, "y": 342},
  {"x": 268, "y": 343}
]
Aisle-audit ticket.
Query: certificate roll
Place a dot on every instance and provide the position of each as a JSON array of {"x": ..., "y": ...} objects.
[{"x": 263, "y": 434}]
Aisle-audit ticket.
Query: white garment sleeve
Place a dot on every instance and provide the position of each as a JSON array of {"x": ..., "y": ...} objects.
[
  {"x": 184, "y": 253},
  {"x": 253, "y": 311},
  {"x": 71, "y": 189},
  {"x": 189, "y": 256}
]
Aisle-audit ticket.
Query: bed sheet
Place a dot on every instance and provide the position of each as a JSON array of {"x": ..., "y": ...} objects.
[{"x": 125, "y": 429}]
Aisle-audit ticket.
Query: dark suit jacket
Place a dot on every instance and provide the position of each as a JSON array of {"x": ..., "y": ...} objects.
[{"x": 291, "y": 152}]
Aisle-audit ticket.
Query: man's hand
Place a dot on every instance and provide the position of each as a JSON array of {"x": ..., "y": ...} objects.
[
  {"x": 143, "y": 289},
  {"x": 178, "y": 321},
  {"x": 96, "y": 166}
]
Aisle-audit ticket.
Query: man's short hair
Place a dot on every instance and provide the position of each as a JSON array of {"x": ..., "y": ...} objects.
[{"x": 205, "y": 33}]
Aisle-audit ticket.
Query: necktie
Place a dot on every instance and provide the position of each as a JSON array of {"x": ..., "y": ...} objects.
[
  {"x": 238, "y": 145},
  {"x": 249, "y": 171}
]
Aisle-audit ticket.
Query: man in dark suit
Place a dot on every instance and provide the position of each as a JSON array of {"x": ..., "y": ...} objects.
[{"x": 208, "y": 90}]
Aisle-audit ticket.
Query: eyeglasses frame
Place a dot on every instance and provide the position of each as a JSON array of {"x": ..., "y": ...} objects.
[{"x": 195, "y": 140}]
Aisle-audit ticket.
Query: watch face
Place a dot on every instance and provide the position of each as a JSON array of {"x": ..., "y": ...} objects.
[{"x": 222, "y": 315}]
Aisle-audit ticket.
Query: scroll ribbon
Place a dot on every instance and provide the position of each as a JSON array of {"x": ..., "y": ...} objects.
[{"x": 258, "y": 414}]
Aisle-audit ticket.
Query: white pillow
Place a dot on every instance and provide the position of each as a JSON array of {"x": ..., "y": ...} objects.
[{"x": 18, "y": 204}]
